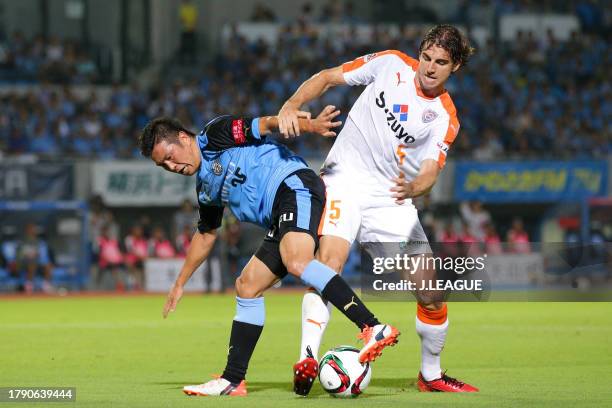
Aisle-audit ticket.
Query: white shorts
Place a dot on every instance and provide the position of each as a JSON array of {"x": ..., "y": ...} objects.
[{"x": 356, "y": 209}]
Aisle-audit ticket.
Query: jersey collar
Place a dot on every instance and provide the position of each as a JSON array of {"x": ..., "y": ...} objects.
[
  {"x": 419, "y": 91},
  {"x": 202, "y": 140}
]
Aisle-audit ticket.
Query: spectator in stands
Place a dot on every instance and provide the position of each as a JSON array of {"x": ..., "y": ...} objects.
[
  {"x": 136, "y": 252},
  {"x": 518, "y": 239},
  {"x": 332, "y": 11},
  {"x": 469, "y": 243},
  {"x": 183, "y": 240},
  {"x": 8, "y": 249},
  {"x": 262, "y": 13},
  {"x": 450, "y": 240},
  {"x": 307, "y": 14},
  {"x": 110, "y": 223},
  {"x": 145, "y": 222},
  {"x": 476, "y": 218},
  {"x": 110, "y": 258},
  {"x": 188, "y": 15},
  {"x": 96, "y": 221},
  {"x": 159, "y": 245},
  {"x": 492, "y": 241},
  {"x": 490, "y": 148},
  {"x": 349, "y": 15},
  {"x": 33, "y": 259},
  {"x": 448, "y": 235},
  {"x": 590, "y": 15}
]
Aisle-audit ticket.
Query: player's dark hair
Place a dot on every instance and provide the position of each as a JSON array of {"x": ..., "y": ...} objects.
[
  {"x": 451, "y": 39},
  {"x": 163, "y": 128}
]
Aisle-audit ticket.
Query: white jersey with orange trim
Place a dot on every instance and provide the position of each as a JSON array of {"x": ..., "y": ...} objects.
[
  {"x": 396, "y": 126},
  {"x": 391, "y": 128}
]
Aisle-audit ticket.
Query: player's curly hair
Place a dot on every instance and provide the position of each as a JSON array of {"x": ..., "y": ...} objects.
[
  {"x": 163, "y": 128},
  {"x": 451, "y": 39}
]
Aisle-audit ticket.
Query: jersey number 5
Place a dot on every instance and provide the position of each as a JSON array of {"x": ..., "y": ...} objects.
[
  {"x": 400, "y": 153},
  {"x": 335, "y": 214}
]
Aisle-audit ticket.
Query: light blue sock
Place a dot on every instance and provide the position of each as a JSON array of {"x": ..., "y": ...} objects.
[
  {"x": 317, "y": 275},
  {"x": 252, "y": 311}
]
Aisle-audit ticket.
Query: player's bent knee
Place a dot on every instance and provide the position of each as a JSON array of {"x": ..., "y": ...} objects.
[{"x": 246, "y": 289}]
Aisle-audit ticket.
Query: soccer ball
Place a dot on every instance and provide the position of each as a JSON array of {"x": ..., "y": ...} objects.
[{"x": 341, "y": 374}]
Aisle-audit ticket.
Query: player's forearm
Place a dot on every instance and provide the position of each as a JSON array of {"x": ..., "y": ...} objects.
[
  {"x": 419, "y": 190},
  {"x": 422, "y": 185},
  {"x": 315, "y": 86},
  {"x": 425, "y": 180},
  {"x": 199, "y": 249},
  {"x": 269, "y": 124}
]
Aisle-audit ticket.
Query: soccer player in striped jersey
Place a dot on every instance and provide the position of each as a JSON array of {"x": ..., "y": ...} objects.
[
  {"x": 392, "y": 148},
  {"x": 264, "y": 183}
]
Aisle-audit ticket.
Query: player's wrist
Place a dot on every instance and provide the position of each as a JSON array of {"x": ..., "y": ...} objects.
[
  {"x": 311, "y": 126},
  {"x": 411, "y": 190}
]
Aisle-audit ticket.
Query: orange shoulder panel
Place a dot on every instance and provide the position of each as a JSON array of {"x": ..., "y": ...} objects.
[{"x": 361, "y": 61}]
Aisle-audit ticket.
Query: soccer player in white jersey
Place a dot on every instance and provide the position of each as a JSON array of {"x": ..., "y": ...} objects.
[{"x": 392, "y": 148}]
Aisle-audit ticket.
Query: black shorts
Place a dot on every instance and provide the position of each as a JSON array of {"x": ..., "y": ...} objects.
[{"x": 298, "y": 206}]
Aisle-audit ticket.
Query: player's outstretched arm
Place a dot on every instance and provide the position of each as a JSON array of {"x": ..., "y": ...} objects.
[
  {"x": 422, "y": 183},
  {"x": 200, "y": 247},
  {"x": 323, "y": 124},
  {"x": 311, "y": 89}
]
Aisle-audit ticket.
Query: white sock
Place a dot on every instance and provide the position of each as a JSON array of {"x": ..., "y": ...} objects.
[
  {"x": 433, "y": 337},
  {"x": 315, "y": 316}
]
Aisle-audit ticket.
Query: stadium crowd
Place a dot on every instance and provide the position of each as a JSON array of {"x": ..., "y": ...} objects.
[
  {"x": 554, "y": 97},
  {"x": 51, "y": 60}
]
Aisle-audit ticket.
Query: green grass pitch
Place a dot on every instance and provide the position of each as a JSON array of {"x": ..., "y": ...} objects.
[{"x": 119, "y": 352}]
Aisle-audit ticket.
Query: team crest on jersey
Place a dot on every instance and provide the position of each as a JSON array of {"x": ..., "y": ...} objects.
[
  {"x": 369, "y": 57},
  {"x": 217, "y": 167},
  {"x": 429, "y": 116}
]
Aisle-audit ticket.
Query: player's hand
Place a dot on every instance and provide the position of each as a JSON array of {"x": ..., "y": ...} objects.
[
  {"x": 402, "y": 190},
  {"x": 323, "y": 124},
  {"x": 288, "y": 123},
  {"x": 173, "y": 298}
]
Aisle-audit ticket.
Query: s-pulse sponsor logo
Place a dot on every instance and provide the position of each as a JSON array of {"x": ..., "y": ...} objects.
[{"x": 393, "y": 120}]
